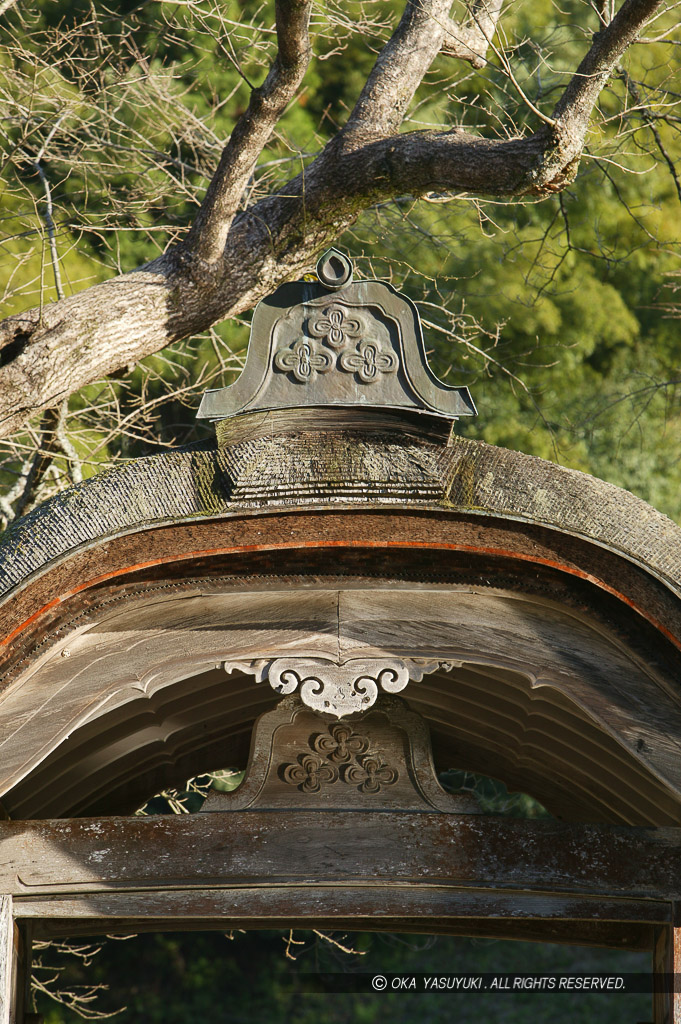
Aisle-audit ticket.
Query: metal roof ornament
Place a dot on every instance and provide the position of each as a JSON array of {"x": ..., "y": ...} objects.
[
  {"x": 334, "y": 269},
  {"x": 334, "y": 344}
]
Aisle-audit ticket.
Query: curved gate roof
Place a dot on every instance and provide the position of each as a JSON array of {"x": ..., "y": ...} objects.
[{"x": 135, "y": 607}]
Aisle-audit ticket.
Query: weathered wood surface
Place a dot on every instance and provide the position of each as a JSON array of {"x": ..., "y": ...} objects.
[
  {"x": 137, "y": 690},
  {"x": 667, "y": 960},
  {"x": 426, "y": 544},
  {"x": 15, "y": 960},
  {"x": 384, "y": 906},
  {"x": 403, "y": 426},
  {"x": 470, "y": 476},
  {"x": 7, "y": 962},
  {"x": 378, "y": 761},
  {"x": 261, "y": 848}
]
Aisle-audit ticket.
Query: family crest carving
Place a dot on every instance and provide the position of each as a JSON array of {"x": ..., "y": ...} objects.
[
  {"x": 309, "y": 773},
  {"x": 340, "y": 744},
  {"x": 368, "y": 361},
  {"x": 335, "y": 328},
  {"x": 302, "y": 360},
  {"x": 370, "y": 775},
  {"x": 359, "y": 766},
  {"x": 334, "y": 342},
  {"x": 379, "y": 761}
]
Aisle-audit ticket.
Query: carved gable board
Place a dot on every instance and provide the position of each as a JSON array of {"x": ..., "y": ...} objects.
[{"x": 378, "y": 760}]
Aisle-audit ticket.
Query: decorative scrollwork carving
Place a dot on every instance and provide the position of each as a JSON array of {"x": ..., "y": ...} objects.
[
  {"x": 369, "y": 361},
  {"x": 338, "y": 689},
  {"x": 369, "y": 774},
  {"x": 284, "y": 679},
  {"x": 309, "y": 774},
  {"x": 303, "y": 360},
  {"x": 335, "y": 327}
]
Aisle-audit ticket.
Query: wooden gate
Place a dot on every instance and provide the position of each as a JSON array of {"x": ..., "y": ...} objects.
[{"x": 360, "y": 599}]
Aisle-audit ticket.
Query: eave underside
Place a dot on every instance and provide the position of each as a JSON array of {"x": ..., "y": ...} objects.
[{"x": 130, "y": 695}]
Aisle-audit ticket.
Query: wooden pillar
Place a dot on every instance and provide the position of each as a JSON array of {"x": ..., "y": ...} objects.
[
  {"x": 15, "y": 968},
  {"x": 667, "y": 960},
  {"x": 8, "y": 963},
  {"x": 24, "y": 940}
]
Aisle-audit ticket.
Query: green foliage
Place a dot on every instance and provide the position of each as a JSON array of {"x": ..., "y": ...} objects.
[
  {"x": 492, "y": 795},
  {"x": 566, "y": 301}
]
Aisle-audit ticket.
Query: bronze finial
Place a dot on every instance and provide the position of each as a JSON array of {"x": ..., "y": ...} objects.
[{"x": 334, "y": 349}]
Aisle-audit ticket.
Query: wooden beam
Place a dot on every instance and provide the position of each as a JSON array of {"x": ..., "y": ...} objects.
[
  {"x": 390, "y": 902},
  {"x": 446, "y": 864},
  {"x": 627, "y": 924}
]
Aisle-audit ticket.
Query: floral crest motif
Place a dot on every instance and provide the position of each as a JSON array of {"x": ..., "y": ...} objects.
[
  {"x": 367, "y": 771},
  {"x": 343, "y": 333},
  {"x": 369, "y": 775},
  {"x": 303, "y": 360},
  {"x": 335, "y": 327},
  {"x": 309, "y": 773},
  {"x": 340, "y": 744},
  {"x": 369, "y": 361}
]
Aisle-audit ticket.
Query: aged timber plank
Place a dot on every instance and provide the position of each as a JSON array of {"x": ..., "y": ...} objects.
[
  {"x": 254, "y": 847},
  {"x": 7, "y": 961},
  {"x": 368, "y": 906}
]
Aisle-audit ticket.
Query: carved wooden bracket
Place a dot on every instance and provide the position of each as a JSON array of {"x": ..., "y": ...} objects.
[{"x": 338, "y": 689}]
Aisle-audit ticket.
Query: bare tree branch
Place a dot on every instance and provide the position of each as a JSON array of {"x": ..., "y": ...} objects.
[
  {"x": 244, "y": 256},
  {"x": 573, "y": 109},
  {"x": 649, "y": 120},
  {"x": 52, "y": 440},
  {"x": 565, "y": 137},
  {"x": 211, "y": 225},
  {"x": 49, "y": 219},
  {"x": 471, "y": 39},
  {"x": 399, "y": 70}
]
